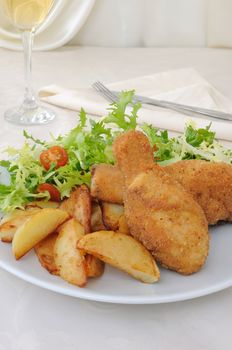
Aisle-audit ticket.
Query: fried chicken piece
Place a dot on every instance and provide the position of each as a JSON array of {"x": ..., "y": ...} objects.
[
  {"x": 210, "y": 185},
  {"x": 159, "y": 212},
  {"x": 107, "y": 183}
]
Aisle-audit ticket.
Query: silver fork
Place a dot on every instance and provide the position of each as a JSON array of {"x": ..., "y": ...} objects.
[
  {"x": 112, "y": 96},
  {"x": 105, "y": 92}
]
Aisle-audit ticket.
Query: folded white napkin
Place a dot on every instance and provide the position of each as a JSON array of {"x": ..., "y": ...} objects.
[{"x": 183, "y": 86}]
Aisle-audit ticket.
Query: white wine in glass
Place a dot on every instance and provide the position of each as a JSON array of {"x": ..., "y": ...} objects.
[{"x": 26, "y": 16}]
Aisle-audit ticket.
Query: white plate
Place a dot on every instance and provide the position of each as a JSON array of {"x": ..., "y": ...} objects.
[{"x": 117, "y": 287}]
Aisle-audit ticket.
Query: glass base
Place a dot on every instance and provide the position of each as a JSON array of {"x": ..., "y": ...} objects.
[{"x": 31, "y": 116}]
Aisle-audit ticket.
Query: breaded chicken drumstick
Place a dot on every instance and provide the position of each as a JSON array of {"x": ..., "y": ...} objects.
[{"x": 159, "y": 212}]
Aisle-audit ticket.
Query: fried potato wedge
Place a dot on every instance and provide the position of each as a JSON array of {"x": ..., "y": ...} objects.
[
  {"x": 82, "y": 211},
  {"x": 94, "y": 266},
  {"x": 122, "y": 225},
  {"x": 39, "y": 226},
  {"x": 114, "y": 218},
  {"x": 121, "y": 251},
  {"x": 69, "y": 204},
  {"x": 69, "y": 260},
  {"x": 7, "y": 232},
  {"x": 96, "y": 218},
  {"x": 10, "y": 223},
  {"x": 45, "y": 253},
  {"x": 43, "y": 204},
  {"x": 111, "y": 214},
  {"x": 78, "y": 205}
]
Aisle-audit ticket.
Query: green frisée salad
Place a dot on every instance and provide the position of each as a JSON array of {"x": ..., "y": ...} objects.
[{"x": 51, "y": 169}]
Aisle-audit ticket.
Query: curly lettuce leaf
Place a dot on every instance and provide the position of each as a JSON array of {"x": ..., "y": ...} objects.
[
  {"x": 118, "y": 115},
  {"x": 195, "y": 137},
  {"x": 160, "y": 142},
  {"x": 192, "y": 144}
]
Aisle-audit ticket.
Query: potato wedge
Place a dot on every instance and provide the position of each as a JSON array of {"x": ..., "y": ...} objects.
[
  {"x": 111, "y": 214},
  {"x": 122, "y": 225},
  {"x": 78, "y": 205},
  {"x": 96, "y": 218},
  {"x": 10, "y": 223},
  {"x": 45, "y": 253},
  {"x": 70, "y": 261},
  {"x": 82, "y": 211},
  {"x": 122, "y": 251},
  {"x": 43, "y": 204},
  {"x": 114, "y": 218},
  {"x": 39, "y": 226},
  {"x": 94, "y": 266},
  {"x": 69, "y": 204}
]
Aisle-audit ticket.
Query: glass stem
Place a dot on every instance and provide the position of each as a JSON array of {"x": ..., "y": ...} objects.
[{"x": 29, "y": 96}]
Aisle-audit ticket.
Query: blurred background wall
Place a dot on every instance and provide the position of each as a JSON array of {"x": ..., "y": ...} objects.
[
  {"x": 128, "y": 23},
  {"x": 145, "y": 23},
  {"x": 158, "y": 23}
]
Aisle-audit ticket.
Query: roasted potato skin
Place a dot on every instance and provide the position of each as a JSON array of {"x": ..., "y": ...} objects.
[
  {"x": 69, "y": 260},
  {"x": 45, "y": 253},
  {"x": 97, "y": 223},
  {"x": 81, "y": 207},
  {"x": 94, "y": 266},
  {"x": 78, "y": 206}
]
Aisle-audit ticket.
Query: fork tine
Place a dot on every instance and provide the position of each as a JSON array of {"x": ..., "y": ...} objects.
[
  {"x": 98, "y": 88},
  {"x": 99, "y": 91},
  {"x": 105, "y": 92},
  {"x": 101, "y": 88},
  {"x": 108, "y": 91}
]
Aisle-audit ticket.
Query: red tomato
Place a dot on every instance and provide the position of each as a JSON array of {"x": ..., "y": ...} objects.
[
  {"x": 56, "y": 155},
  {"x": 53, "y": 191}
]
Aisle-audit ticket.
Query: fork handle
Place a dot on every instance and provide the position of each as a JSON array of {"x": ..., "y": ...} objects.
[{"x": 181, "y": 107}]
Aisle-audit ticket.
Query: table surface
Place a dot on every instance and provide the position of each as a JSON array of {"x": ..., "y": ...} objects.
[{"x": 33, "y": 318}]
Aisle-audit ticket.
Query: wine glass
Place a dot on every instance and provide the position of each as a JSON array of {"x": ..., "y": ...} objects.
[{"x": 27, "y": 15}]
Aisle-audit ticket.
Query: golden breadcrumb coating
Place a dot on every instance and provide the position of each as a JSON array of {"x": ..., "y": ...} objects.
[
  {"x": 159, "y": 212},
  {"x": 209, "y": 183}
]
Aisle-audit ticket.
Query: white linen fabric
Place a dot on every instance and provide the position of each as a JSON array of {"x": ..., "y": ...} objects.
[
  {"x": 125, "y": 23},
  {"x": 183, "y": 85}
]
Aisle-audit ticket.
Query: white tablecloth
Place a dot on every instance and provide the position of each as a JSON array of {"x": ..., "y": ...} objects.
[{"x": 34, "y": 319}]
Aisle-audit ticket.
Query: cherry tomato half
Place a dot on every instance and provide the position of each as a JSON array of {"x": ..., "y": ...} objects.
[
  {"x": 56, "y": 155},
  {"x": 53, "y": 191}
]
